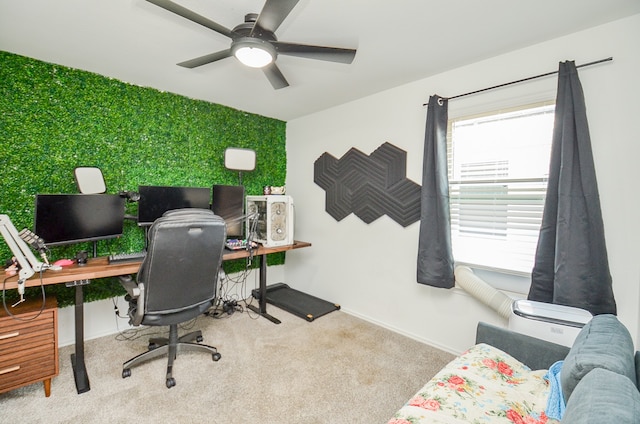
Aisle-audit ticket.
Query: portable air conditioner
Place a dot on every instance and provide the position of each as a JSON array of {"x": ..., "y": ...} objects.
[
  {"x": 555, "y": 323},
  {"x": 274, "y": 216}
]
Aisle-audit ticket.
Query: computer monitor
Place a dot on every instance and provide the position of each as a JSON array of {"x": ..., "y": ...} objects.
[
  {"x": 156, "y": 200},
  {"x": 228, "y": 203},
  {"x": 73, "y": 218}
]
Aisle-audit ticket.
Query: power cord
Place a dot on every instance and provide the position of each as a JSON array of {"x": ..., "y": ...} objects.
[
  {"x": 116, "y": 309},
  {"x": 230, "y": 306},
  {"x": 6, "y": 308},
  {"x": 229, "y": 301}
]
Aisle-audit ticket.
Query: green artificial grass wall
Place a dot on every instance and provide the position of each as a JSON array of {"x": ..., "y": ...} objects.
[{"x": 53, "y": 119}]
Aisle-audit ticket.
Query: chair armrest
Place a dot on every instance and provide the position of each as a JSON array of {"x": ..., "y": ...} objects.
[
  {"x": 130, "y": 286},
  {"x": 533, "y": 352},
  {"x": 135, "y": 291}
]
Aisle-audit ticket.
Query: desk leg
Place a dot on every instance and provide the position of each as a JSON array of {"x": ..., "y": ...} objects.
[
  {"x": 262, "y": 290},
  {"x": 77, "y": 359}
]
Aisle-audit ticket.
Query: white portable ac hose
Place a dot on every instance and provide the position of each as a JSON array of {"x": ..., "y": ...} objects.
[{"x": 482, "y": 291}]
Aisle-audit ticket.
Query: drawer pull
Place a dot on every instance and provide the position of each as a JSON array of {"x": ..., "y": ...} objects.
[
  {"x": 9, "y": 335},
  {"x": 10, "y": 369}
]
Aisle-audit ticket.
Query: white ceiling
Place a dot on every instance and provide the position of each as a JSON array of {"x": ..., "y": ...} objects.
[{"x": 398, "y": 41}]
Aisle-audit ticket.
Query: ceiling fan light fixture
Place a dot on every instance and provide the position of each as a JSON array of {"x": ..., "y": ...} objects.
[
  {"x": 253, "y": 52},
  {"x": 254, "y": 57},
  {"x": 254, "y": 42}
]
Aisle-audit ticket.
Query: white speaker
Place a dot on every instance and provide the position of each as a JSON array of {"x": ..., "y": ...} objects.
[{"x": 272, "y": 218}]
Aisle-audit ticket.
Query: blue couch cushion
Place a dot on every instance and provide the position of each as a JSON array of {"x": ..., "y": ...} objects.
[
  {"x": 603, "y": 396},
  {"x": 604, "y": 342}
]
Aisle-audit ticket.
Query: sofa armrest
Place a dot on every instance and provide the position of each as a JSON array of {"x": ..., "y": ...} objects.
[
  {"x": 533, "y": 352},
  {"x": 637, "y": 358}
]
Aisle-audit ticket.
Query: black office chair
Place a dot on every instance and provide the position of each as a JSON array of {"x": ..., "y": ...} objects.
[{"x": 176, "y": 282}]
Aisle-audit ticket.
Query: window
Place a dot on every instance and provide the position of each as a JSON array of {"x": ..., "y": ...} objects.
[{"x": 498, "y": 170}]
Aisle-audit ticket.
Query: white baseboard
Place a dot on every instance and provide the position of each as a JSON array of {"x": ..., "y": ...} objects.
[{"x": 420, "y": 339}]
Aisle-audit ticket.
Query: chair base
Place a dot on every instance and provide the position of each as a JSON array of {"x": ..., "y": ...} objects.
[
  {"x": 157, "y": 342},
  {"x": 171, "y": 347}
]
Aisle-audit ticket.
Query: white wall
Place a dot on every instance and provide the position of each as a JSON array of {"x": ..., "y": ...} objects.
[
  {"x": 99, "y": 320},
  {"x": 370, "y": 268}
]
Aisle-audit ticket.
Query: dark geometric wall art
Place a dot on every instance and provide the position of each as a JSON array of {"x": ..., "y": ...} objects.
[{"x": 369, "y": 186}]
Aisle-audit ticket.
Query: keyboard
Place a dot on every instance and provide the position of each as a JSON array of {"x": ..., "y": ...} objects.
[
  {"x": 237, "y": 244},
  {"x": 120, "y": 258}
]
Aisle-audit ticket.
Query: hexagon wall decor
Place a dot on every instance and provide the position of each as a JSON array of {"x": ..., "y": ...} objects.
[{"x": 369, "y": 186}]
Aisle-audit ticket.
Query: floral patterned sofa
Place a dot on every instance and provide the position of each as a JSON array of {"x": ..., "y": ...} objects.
[{"x": 537, "y": 382}]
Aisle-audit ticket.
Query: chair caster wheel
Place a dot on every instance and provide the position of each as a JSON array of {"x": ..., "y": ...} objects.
[
  {"x": 171, "y": 382},
  {"x": 152, "y": 346},
  {"x": 126, "y": 373},
  {"x": 216, "y": 356},
  {"x": 199, "y": 339}
]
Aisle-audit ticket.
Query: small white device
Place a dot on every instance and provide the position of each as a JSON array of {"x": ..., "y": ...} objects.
[{"x": 555, "y": 323}]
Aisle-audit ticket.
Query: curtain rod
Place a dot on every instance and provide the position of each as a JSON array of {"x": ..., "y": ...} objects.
[{"x": 522, "y": 80}]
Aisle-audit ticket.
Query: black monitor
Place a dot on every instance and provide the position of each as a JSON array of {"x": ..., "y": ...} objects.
[
  {"x": 73, "y": 218},
  {"x": 228, "y": 203},
  {"x": 156, "y": 200}
]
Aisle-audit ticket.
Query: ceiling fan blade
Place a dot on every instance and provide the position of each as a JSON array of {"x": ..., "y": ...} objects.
[
  {"x": 192, "y": 16},
  {"x": 274, "y": 12},
  {"x": 275, "y": 77},
  {"x": 331, "y": 54},
  {"x": 203, "y": 60}
]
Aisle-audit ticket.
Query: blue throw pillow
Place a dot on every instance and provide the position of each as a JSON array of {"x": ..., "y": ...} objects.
[
  {"x": 603, "y": 343},
  {"x": 603, "y": 396}
]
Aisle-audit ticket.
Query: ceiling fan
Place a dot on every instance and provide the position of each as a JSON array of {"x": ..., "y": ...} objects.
[{"x": 254, "y": 42}]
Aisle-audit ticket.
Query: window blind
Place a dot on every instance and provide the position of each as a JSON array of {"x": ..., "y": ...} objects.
[{"x": 498, "y": 169}]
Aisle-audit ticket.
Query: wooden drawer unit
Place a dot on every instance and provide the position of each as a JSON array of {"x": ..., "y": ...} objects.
[{"x": 29, "y": 344}]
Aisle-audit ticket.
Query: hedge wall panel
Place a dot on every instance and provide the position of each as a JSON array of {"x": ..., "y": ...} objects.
[{"x": 53, "y": 118}]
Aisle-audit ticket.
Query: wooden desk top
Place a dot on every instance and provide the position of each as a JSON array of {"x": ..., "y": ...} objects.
[
  {"x": 101, "y": 268},
  {"x": 261, "y": 250}
]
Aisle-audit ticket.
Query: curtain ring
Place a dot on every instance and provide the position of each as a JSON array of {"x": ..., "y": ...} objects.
[{"x": 440, "y": 101}]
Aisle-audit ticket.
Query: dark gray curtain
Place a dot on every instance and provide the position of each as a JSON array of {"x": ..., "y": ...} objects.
[
  {"x": 435, "y": 260},
  {"x": 571, "y": 266}
]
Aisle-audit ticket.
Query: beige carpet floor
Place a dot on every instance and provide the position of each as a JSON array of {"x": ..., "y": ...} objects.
[{"x": 336, "y": 369}]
